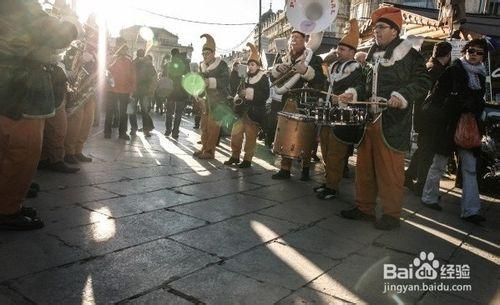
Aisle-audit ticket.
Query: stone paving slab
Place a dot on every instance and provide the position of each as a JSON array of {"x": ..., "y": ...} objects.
[
  {"x": 235, "y": 235},
  {"x": 305, "y": 209},
  {"x": 81, "y": 195},
  {"x": 321, "y": 241},
  {"x": 143, "y": 185},
  {"x": 217, "y": 189},
  {"x": 115, "y": 277},
  {"x": 283, "y": 192},
  {"x": 433, "y": 298},
  {"x": 218, "y": 286},
  {"x": 360, "y": 231},
  {"x": 280, "y": 265},
  {"x": 221, "y": 208},
  {"x": 140, "y": 203},
  {"x": 359, "y": 279},
  {"x": 158, "y": 297},
  {"x": 69, "y": 217},
  {"x": 156, "y": 171},
  {"x": 425, "y": 236},
  {"x": 309, "y": 296},
  {"x": 111, "y": 235},
  {"x": 59, "y": 181},
  {"x": 25, "y": 253}
]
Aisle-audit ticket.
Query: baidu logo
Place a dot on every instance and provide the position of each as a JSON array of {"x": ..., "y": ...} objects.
[{"x": 426, "y": 267}]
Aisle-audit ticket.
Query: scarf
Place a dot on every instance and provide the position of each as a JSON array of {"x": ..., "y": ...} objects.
[{"x": 473, "y": 71}]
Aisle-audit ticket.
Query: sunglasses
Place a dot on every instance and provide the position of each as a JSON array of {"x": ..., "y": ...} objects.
[{"x": 474, "y": 51}]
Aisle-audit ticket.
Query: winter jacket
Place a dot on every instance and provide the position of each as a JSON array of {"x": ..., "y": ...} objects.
[
  {"x": 398, "y": 70},
  {"x": 256, "y": 95},
  {"x": 123, "y": 73},
  {"x": 452, "y": 96},
  {"x": 346, "y": 77},
  {"x": 145, "y": 77},
  {"x": 217, "y": 74}
]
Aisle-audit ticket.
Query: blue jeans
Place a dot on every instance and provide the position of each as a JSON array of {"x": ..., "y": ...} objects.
[
  {"x": 147, "y": 122},
  {"x": 470, "y": 201}
]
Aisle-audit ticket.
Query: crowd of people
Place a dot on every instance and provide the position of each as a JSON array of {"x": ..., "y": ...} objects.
[{"x": 46, "y": 115}]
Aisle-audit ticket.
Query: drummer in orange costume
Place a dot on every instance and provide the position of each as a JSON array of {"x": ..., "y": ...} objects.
[
  {"x": 345, "y": 74},
  {"x": 310, "y": 74}
]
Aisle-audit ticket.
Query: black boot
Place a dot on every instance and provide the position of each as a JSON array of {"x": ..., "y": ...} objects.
[
  {"x": 356, "y": 214},
  {"x": 70, "y": 159},
  {"x": 61, "y": 167},
  {"x": 232, "y": 161},
  {"x": 387, "y": 223},
  {"x": 281, "y": 175},
  {"x": 305, "y": 174},
  {"x": 245, "y": 164}
]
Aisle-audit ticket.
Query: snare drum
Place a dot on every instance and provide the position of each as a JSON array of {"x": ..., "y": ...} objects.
[
  {"x": 346, "y": 116},
  {"x": 295, "y": 135}
]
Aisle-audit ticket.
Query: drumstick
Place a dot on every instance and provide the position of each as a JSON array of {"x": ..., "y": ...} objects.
[{"x": 368, "y": 103}]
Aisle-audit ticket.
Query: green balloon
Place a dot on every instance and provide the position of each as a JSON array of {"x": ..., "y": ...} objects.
[{"x": 193, "y": 83}]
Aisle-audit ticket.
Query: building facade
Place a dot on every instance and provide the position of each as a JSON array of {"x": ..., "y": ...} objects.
[
  {"x": 275, "y": 25},
  {"x": 163, "y": 43}
]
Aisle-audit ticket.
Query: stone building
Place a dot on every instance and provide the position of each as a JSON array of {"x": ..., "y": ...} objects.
[{"x": 163, "y": 43}]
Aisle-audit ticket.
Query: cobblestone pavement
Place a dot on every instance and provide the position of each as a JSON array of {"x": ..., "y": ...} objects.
[{"x": 145, "y": 223}]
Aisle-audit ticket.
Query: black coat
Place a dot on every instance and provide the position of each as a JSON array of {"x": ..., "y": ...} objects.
[
  {"x": 453, "y": 106},
  {"x": 435, "y": 69}
]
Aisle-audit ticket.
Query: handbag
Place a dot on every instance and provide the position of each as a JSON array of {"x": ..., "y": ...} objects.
[{"x": 467, "y": 133}]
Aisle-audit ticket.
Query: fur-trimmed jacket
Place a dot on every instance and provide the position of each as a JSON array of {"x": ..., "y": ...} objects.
[
  {"x": 344, "y": 76},
  {"x": 256, "y": 95},
  {"x": 314, "y": 75},
  {"x": 217, "y": 74},
  {"x": 398, "y": 70}
]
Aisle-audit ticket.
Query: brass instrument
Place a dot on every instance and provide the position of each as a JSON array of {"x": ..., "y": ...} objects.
[{"x": 310, "y": 17}]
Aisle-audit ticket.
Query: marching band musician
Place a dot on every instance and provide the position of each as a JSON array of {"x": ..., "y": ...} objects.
[
  {"x": 345, "y": 73},
  {"x": 80, "y": 122},
  {"x": 28, "y": 40},
  {"x": 216, "y": 76},
  {"x": 311, "y": 74},
  {"x": 397, "y": 73},
  {"x": 255, "y": 95}
]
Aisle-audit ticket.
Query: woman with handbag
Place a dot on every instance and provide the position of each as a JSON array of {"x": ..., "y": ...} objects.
[{"x": 458, "y": 96}]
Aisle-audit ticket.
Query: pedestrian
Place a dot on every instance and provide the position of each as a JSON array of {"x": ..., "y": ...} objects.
[
  {"x": 459, "y": 91},
  {"x": 123, "y": 73},
  {"x": 177, "y": 99},
  {"x": 143, "y": 95},
  {"x": 422, "y": 157}
]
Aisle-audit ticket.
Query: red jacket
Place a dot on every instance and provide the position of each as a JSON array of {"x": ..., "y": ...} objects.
[{"x": 123, "y": 72}]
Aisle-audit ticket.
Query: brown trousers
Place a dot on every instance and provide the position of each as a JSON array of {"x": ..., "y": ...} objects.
[
  {"x": 20, "y": 147},
  {"x": 286, "y": 163},
  {"x": 210, "y": 129},
  {"x": 53, "y": 136},
  {"x": 334, "y": 153},
  {"x": 79, "y": 125},
  {"x": 379, "y": 172},
  {"x": 247, "y": 128}
]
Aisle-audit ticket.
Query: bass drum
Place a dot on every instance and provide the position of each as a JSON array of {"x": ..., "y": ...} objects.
[{"x": 295, "y": 135}]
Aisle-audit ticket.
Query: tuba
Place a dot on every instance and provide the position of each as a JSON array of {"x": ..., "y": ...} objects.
[{"x": 310, "y": 17}]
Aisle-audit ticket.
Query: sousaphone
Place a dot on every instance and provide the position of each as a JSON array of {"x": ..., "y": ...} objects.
[{"x": 311, "y": 17}]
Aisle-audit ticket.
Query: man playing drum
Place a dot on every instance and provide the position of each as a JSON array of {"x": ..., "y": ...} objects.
[
  {"x": 255, "y": 95},
  {"x": 311, "y": 74},
  {"x": 345, "y": 75},
  {"x": 396, "y": 73}
]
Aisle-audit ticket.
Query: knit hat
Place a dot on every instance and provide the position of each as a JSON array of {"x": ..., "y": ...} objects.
[
  {"x": 209, "y": 44},
  {"x": 352, "y": 38},
  {"x": 390, "y": 15},
  {"x": 254, "y": 54}
]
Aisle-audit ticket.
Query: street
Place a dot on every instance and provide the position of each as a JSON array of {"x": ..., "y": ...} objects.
[{"x": 146, "y": 223}]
